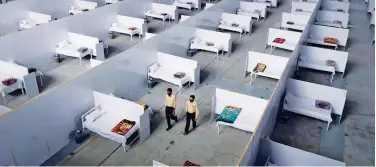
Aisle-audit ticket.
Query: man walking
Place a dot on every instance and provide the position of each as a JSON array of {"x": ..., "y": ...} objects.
[
  {"x": 192, "y": 114},
  {"x": 170, "y": 103}
]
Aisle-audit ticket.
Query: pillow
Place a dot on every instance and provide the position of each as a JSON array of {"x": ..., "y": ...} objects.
[
  {"x": 196, "y": 40},
  {"x": 62, "y": 44},
  {"x": 93, "y": 116},
  {"x": 154, "y": 67},
  {"x": 114, "y": 24},
  {"x": 222, "y": 22}
]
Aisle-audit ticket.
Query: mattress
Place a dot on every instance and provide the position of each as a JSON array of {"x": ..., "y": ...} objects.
[
  {"x": 72, "y": 50},
  {"x": 284, "y": 45},
  {"x": 124, "y": 30},
  {"x": 105, "y": 123},
  {"x": 231, "y": 28},
  {"x": 183, "y": 4},
  {"x": 271, "y": 72},
  {"x": 248, "y": 13},
  {"x": 305, "y": 106},
  {"x": 317, "y": 66},
  {"x": 203, "y": 46},
  {"x": 320, "y": 42},
  {"x": 5, "y": 89},
  {"x": 247, "y": 120},
  {"x": 167, "y": 74},
  {"x": 155, "y": 14}
]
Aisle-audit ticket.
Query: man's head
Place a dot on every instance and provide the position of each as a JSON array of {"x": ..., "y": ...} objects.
[
  {"x": 192, "y": 98},
  {"x": 169, "y": 91}
]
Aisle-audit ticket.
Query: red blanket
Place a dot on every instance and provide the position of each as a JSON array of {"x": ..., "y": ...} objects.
[{"x": 123, "y": 127}]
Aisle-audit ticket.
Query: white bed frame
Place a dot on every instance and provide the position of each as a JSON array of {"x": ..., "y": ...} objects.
[
  {"x": 315, "y": 58},
  {"x": 222, "y": 41},
  {"x": 308, "y": 93},
  {"x": 195, "y": 4},
  {"x": 124, "y": 108},
  {"x": 283, "y": 155},
  {"x": 307, "y": 8},
  {"x": 9, "y": 70},
  {"x": 275, "y": 65},
  {"x": 34, "y": 19},
  {"x": 149, "y": 35},
  {"x": 250, "y": 115},
  {"x": 318, "y": 33},
  {"x": 158, "y": 9},
  {"x": 244, "y": 23},
  {"x": 327, "y": 18},
  {"x": 167, "y": 65},
  {"x": 249, "y": 8},
  {"x": 81, "y": 5},
  {"x": 107, "y": 2},
  {"x": 123, "y": 23},
  {"x": 300, "y": 21},
  {"x": 80, "y": 40},
  {"x": 269, "y": 3},
  {"x": 291, "y": 39},
  {"x": 335, "y": 6}
]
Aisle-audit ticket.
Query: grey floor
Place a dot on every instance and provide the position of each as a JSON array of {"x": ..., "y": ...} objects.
[
  {"x": 352, "y": 140},
  {"x": 203, "y": 146}
]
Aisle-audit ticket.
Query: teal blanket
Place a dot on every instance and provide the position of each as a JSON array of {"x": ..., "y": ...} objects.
[{"x": 229, "y": 114}]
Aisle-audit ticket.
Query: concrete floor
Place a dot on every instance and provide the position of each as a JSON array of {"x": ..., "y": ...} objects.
[
  {"x": 352, "y": 140},
  {"x": 204, "y": 146}
]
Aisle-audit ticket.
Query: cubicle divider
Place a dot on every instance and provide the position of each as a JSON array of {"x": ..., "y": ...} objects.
[{"x": 266, "y": 124}]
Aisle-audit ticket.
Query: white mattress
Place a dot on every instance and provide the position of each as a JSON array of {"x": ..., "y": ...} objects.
[
  {"x": 271, "y": 72},
  {"x": 246, "y": 120},
  {"x": 305, "y": 106},
  {"x": 285, "y": 45},
  {"x": 228, "y": 26},
  {"x": 317, "y": 66},
  {"x": 4, "y": 89},
  {"x": 28, "y": 24},
  {"x": 249, "y": 13},
  {"x": 104, "y": 124},
  {"x": 72, "y": 51},
  {"x": 183, "y": 4},
  {"x": 328, "y": 23},
  {"x": 202, "y": 46},
  {"x": 167, "y": 74},
  {"x": 124, "y": 30},
  {"x": 155, "y": 14}
]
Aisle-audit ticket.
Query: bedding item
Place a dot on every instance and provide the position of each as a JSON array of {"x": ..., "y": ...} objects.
[
  {"x": 290, "y": 22},
  {"x": 322, "y": 104},
  {"x": 188, "y": 163},
  {"x": 9, "y": 81},
  {"x": 62, "y": 44},
  {"x": 196, "y": 40},
  {"x": 93, "y": 116},
  {"x": 154, "y": 67},
  {"x": 279, "y": 40},
  {"x": 163, "y": 14},
  {"x": 123, "y": 127},
  {"x": 257, "y": 11},
  {"x": 340, "y": 10},
  {"x": 82, "y": 49},
  {"x": 209, "y": 43},
  {"x": 132, "y": 28},
  {"x": 234, "y": 24},
  {"x": 84, "y": 10},
  {"x": 229, "y": 114},
  {"x": 330, "y": 63},
  {"x": 259, "y": 68},
  {"x": 337, "y": 22},
  {"x": 179, "y": 75},
  {"x": 190, "y": 3},
  {"x": 331, "y": 40},
  {"x": 298, "y": 10}
]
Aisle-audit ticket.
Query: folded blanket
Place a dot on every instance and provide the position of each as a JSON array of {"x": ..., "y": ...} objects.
[
  {"x": 82, "y": 49},
  {"x": 259, "y": 68},
  {"x": 9, "y": 81},
  {"x": 188, "y": 163},
  {"x": 331, "y": 40},
  {"x": 330, "y": 63},
  {"x": 279, "y": 40},
  {"x": 179, "y": 75},
  {"x": 234, "y": 25},
  {"x": 290, "y": 22},
  {"x": 299, "y": 10},
  {"x": 132, "y": 28},
  {"x": 229, "y": 114},
  {"x": 210, "y": 43},
  {"x": 322, "y": 104},
  {"x": 123, "y": 127}
]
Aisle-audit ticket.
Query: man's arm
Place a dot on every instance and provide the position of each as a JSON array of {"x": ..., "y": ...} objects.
[{"x": 197, "y": 112}]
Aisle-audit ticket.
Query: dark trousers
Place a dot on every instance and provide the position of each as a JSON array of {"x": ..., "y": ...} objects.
[
  {"x": 169, "y": 115},
  {"x": 189, "y": 117}
]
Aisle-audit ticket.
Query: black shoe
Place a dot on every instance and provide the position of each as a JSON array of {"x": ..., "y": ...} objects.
[
  {"x": 185, "y": 133},
  {"x": 176, "y": 120},
  {"x": 168, "y": 128}
]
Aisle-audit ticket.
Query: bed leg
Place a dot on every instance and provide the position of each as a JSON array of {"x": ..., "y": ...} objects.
[
  {"x": 80, "y": 62},
  {"x": 218, "y": 128},
  {"x": 131, "y": 38},
  {"x": 327, "y": 128},
  {"x": 340, "y": 117}
]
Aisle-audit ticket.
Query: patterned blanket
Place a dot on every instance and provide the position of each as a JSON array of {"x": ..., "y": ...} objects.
[{"x": 229, "y": 114}]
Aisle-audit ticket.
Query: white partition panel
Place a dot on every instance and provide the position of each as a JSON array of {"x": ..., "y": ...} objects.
[
  {"x": 335, "y": 6},
  {"x": 336, "y": 97},
  {"x": 252, "y": 6},
  {"x": 219, "y": 38},
  {"x": 330, "y": 17},
  {"x": 6, "y": 155},
  {"x": 283, "y": 155},
  {"x": 298, "y": 20},
  {"x": 314, "y": 55},
  {"x": 320, "y": 32},
  {"x": 26, "y": 132}
]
